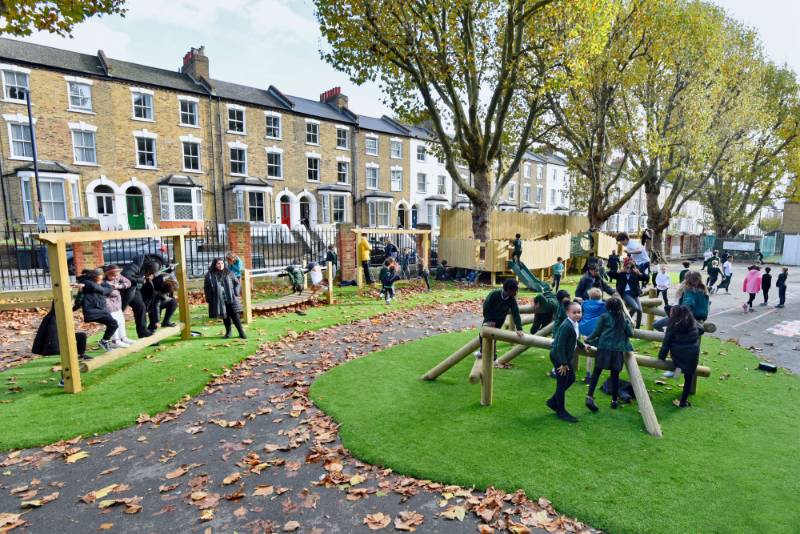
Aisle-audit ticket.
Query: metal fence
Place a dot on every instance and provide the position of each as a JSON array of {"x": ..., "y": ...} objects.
[{"x": 24, "y": 264}]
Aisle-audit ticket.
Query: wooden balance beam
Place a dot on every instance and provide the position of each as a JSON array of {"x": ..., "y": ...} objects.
[
  {"x": 491, "y": 335},
  {"x": 284, "y": 302},
  {"x": 139, "y": 344}
]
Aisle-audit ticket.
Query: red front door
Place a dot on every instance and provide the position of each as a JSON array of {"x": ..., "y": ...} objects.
[{"x": 285, "y": 214}]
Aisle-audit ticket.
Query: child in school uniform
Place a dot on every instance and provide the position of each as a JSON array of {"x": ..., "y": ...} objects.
[
  {"x": 94, "y": 304},
  {"x": 562, "y": 353},
  {"x": 713, "y": 273},
  {"x": 766, "y": 284},
  {"x": 516, "y": 254},
  {"x": 662, "y": 283},
  {"x": 611, "y": 336},
  {"x": 781, "y": 285},
  {"x": 498, "y": 305},
  {"x": 682, "y": 274},
  {"x": 545, "y": 305},
  {"x": 388, "y": 276},
  {"x": 558, "y": 272},
  {"x": 593, "y": 308},
  {"x": 751, "y": 286},
  {"x": 682, "y": 342}
]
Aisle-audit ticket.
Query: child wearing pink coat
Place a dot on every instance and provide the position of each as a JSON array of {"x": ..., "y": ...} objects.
[{"x": 751, "y": 286}]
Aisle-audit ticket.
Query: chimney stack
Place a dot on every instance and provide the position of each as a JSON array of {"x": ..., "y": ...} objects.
[
  {"x": 334, "y": 96},
  {"x": 195, "y": 64}
]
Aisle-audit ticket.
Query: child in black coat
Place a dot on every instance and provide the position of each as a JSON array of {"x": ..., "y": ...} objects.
[
  {"x": 766, "y": 284},
  {"x": 94, "y": 304},
  {"x": 682, "y": 341}
]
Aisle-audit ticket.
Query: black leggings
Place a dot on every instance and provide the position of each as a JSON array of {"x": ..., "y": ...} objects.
[
  {"x": 232, "y": 317},
  {"x": 540, "y": 320},
  {"x": 367, "y": 275},
  {"x": 562, "y": 385},
  {"x": 751, "y": 299},
  {"x": 556, "y": 282},
  {"x": 765, "y": 292},
  {"x": 170, "y": 305},
  {"x": 614, "y": 382},
  {"x": 688, "y": 378},
  {"x": 663, "y": 293},
  {"x": 110, "y": 324},
  {"x": 80, "y": 341}
]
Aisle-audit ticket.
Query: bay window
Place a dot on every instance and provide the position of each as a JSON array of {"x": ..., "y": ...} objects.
[
  {"x": 379, "y": 213},
  {"x": 181, "y": 203},
  {"x": 54, "y": 200}
]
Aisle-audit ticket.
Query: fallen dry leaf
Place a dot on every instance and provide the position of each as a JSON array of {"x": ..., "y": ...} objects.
[
  {"x": 377, "y": 520},
  {"x": 290, "y": 526},
  {"x": 455, "y": 512},
  {"x": 92, "y": 496},
  {"x": 106, "y": 526},
  {"x": 263, "y": 491},
  {"x": 408, "y": 521},
  {"x": 72, "y": 458},
  {"x": 207, "y": 515},
  {"x": 230, "y": 479}
]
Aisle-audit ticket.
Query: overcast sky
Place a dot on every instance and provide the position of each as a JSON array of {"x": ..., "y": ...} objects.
[{"x": 263, "y": 42}]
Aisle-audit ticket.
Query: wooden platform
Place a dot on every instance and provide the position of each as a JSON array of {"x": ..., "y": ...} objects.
[
  {"x": 284, "y": 302},
  {"x": 139, "y": 344}
]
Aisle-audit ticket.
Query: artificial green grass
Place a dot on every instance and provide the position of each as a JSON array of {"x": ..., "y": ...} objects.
[
  {"x": 153, "y": 379},
  {"x": 728, "y": 464}
]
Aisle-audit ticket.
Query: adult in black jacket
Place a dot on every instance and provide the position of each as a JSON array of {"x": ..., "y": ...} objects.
[
  {"x": 589, "y": 280},
  {"x": 682, "y": 341},
  {"x": 627, "y": 283},
  {"x": 223, "y": 295},
  {"x": 140, "y": 271},
  {"x": 163, "y": 298},
  {"x": 94, "y": 304}
]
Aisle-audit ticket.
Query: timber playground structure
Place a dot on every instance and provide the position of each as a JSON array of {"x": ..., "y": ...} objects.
[
  {"x": 71, "y": 367},
  {"x": 483, "y": 368}
]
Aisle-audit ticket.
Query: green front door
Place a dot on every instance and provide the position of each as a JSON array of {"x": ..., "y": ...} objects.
[{"x": 135, "y": 211}]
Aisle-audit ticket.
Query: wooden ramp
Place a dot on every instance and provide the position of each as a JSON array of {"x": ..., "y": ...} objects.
[
  {"x": 284, "y": 302},
  {"x": 139, "y": 344}
]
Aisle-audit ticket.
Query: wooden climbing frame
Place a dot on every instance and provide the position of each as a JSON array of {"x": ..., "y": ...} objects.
[
  {"x": 426, "y": 242},
  {"x": 62, "y": 297}
]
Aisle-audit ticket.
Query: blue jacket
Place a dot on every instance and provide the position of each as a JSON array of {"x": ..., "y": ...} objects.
[{"x": 592, "y": 310}]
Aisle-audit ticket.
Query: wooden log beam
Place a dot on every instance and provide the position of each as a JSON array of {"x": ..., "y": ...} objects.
[
  {"x": 453, "y": 359},
  {"x": 487, "y": 378},
  {"x": 83, "y": 237},
  {"x": 642, "y": 397},
  {"x": 139, "y": 344},
  {"x": 329, "y": 276},
  {"x": 476, "y": 373},
  {"x": 516, "y": 350},
  {"x": 654, "y": 310},
  {"x": 65, "y": 325}
]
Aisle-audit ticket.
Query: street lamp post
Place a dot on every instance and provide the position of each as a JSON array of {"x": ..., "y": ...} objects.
[{"x": 41, "y": 221}]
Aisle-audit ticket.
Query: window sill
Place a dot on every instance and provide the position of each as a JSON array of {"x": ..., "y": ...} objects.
[
  {"x": 14, "y": 101},
  {"x": 342, "y": 148},
  {"x": 395, "y": 157},
  {"x": 371, "y": 154},
  {"x": 273, "y": 138},
  {"x": 145, "y": 167},
  {"x": 137, "y": 119},
  {"x": 342, "y": 183},
  {"x": 192, "y": 171},
  {"x": 195, "y": 126},
  {"x": 48, "y": 221},
  {"x": 232, "y": 132},
  {"x": 312, "y": 144},
  {"x": 86, "y": 164},
  {"x": 21, "y": 158},
  {"x": 241, "y": 175},
  {"x": 312, "y": 181},
  {"x": 84, "y": 111}
]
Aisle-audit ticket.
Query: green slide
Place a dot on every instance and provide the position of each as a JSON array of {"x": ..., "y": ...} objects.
[{"x": 527, "y": 278}]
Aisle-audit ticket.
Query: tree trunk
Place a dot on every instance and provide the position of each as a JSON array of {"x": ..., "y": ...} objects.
[
  {"x": 481, "y": 206},
  {"x": 657, "y": 220},
  {"x": 657, "y": 252}
]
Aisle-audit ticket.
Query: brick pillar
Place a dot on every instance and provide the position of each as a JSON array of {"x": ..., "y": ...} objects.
[
  {"x": 87, "y": 255},
  {"x": 240, "y": 242},
  {"x": 347, "y": 247}
]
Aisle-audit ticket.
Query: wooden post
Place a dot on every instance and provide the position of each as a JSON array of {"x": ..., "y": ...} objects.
[
  {"x": 62, "y": 297},
  {"x": 642, "y": 397},
  {"x": 476, "y": 373},
  {"x": 426, "y": 250},
  {"x": 178, "y": 245},
  {"x": 487, "y": 378},
  {"x": 247, "y": 297},
  {"x": 453, "y": 359},
  {"x": 652, "y": 292},
  {"x": 493, "y": 279},
  {"x": 305, "y": 275},
  {"x": 359, "y": 269},
  {"x": 329, "y": 267}
]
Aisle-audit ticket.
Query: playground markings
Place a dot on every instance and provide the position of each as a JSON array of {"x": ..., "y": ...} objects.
[
  {"x": 786, "y": 329},
  {"x": 758, "y": 316}
]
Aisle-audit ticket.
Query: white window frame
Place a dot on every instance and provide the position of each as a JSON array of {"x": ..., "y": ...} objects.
[
  {"x": 16, "y": 70},
  {"x": 236, "y": 108},
  {"x": 343, "y": 199},
  {"x": 441, "y": 185},
  {"x": 373, "y": 212},
  {"x": 27, "y": 203},
  {"x": 144, "y": 134},
  {"x": 422, "y": 151},
  {"x": 395, "y": 143},
  {"x": 317, "y": 133},
  {"x": 526, "y": 193},
  {"x": 166, "y": 195},
  {"x": 396, "y": 179},
  {"x": 196, "y": 142},
  {"x": 275, "y": 151},
  {"x": 512, "y": 190},
  {"x": 192, "y": 101},
  {"x": 526, "y": 170},
  {"x": 553, "y": 197},
  {"x": 72, "y": 80},
  {"x": 346, "y": 163},
  {"x": 83, "y": 128},
  {"x": 346, "y": 131},
  {"x": 263, "y": 206},
  {"x": 273, "y": 115},
  {"x": 377, "y": 176},
  {"x": 313, "y": 156},
  {"x": 144, "y": 93},
  {"x": 243, "y": 148},
  {"x": 23, "y": 123},
  {"x": 368, "y": 138},
  {"x": 539, "y": 194},
  {"x": 424, "y": 177}
]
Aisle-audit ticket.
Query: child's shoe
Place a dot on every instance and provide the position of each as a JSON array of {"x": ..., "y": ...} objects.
[
  {"x": 744, "y": 307},
  {"x": 668, "y": 374},
  {"x": 614, "y": 404},
  {"x": 127, "y": 340},
  {"x": 590, "y": 403},
  {"x": 61, "y": 383},
  {"x": 84, "y": 357},
  {"x": 105, "y": 344},
  {"x": 684, "y": 404},
  {"x": 119, "y": 344}
]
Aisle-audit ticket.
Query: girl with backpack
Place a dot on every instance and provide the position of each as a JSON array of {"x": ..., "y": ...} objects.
[{"x": 682, "y": 342}]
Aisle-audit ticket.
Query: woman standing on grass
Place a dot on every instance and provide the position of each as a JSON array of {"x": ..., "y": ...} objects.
[
  {"x": 682, "y": 341},
  {"x": 223, "y": 295},
  {"x": 611, "y": 336}
]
